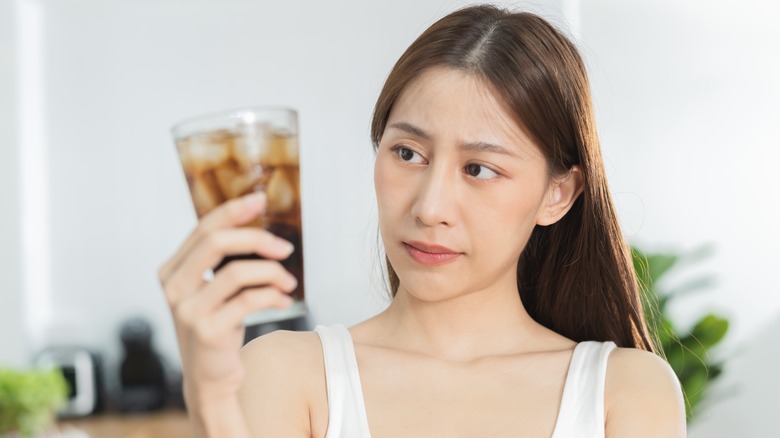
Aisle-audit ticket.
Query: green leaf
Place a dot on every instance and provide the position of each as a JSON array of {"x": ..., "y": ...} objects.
[
  {"x": 715, "y": 370},
  {"x": 693, "y": 388},
  {"x": 659, "y": 264},
  {"x": 693, "y": 346},
  {"x": 639, "y": 259},
  {"x": 667, "y": 334},
  {"x": 710, "y": 330}
]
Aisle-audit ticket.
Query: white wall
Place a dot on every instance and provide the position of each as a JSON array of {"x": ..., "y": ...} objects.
[
  {"x": 12, "y": 336},
  {"x": 687, "y": 98}
]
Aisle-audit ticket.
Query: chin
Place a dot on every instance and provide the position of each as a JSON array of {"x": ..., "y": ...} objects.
[{"x": 429, "y": 287}]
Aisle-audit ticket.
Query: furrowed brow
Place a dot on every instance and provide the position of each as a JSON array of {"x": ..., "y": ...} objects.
[
  {"x": 487, "y": 147},
  {"x": 479, "y": 146},
  {"x": 411, "y": 129}
]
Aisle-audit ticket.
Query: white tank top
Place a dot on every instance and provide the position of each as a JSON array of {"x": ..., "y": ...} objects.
[{"x": 581, "y": 412}]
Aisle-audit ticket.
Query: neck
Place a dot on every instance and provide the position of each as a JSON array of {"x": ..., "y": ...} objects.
[{"x": 482, "y": 323}]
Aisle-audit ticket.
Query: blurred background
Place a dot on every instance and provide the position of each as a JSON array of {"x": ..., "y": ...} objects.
[{"x": 93, "y": 199}]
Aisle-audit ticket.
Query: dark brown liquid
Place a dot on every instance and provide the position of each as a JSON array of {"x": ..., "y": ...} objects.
[{"x": 222, "y": 165}]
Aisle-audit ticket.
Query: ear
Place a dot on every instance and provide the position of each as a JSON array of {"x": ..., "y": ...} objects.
[{"x": 561, "y": 194}]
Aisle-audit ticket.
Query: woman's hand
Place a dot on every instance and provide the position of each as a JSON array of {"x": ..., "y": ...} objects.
[{"x": 208, "y": 315}]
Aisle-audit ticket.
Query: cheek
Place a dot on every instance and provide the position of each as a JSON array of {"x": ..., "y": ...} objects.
[
  {"x": 521, "y": 214},
  {"x": 504, "y": 220},
  {"x": 388, "y": 186},
  {"x": 380, "y": 181},
  {"x": 510, "y": 203}
]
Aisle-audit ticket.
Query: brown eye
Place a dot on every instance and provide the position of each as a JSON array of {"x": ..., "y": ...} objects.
[
  {"x": 480, "y": 172},
  {"x": 407, "y": 155}
]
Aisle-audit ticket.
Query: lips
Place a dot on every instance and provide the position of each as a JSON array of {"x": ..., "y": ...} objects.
[{"x": 430, "y": 254}]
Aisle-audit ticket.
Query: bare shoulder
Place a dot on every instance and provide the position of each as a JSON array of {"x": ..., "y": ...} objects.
[
  {"x": 642, "y": 395},
  {"x": 283, "y": 346},
  {"x": 283, "y": 384},
  {"x": 293, "y": 357}
]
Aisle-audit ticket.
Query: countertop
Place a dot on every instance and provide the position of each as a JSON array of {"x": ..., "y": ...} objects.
[{"x": 165, "y": 424}]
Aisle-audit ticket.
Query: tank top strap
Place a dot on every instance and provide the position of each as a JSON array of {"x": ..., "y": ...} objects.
[
  {"x": 346, "y": 407},
  {"x": 581, "y": 413}
]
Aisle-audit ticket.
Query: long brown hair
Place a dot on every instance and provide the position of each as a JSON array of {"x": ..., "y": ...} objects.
[{"x": 575, "y": 276}]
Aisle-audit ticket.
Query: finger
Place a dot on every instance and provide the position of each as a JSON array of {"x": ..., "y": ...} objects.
[
  {"x": 234, "y": 280},
  {"x": 188, "y": 276},
  {"x": 212, "y": 328},
  {"x": 234, "y": 312},
  {"x": 232, "y": 213}
]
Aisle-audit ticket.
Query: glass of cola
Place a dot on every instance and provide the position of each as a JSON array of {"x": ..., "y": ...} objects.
[{"x": 233, "y": 153}]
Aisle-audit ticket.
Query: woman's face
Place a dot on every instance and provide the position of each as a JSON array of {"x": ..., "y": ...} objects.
[{"x": 454, "y": 170}]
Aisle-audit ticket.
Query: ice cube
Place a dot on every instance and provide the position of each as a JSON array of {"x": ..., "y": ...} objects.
[
  {"x": 250, "y": 144},
  {"x": 204, "y": 196},
  {"x": 278, "y": 150},
  {"x": 291, "y": 149},
  {"x": 185, "y": 156},
  {"x": 209, "y": 149},
  {"x": 233, "y": 180},
  {"x": 280, "y": 191}
]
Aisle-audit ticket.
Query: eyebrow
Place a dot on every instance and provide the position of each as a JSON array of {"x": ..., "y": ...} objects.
[
  {"x": 479, "y": 146},
  {"x": 411, "y": 129}
]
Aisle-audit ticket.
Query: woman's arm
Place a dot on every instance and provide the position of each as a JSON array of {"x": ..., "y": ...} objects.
[
  {"x": 643, "y": 397},
  {"x": 224, "y": 418},
  {"x": 284, "y": 380},
  {"x": 208, "y": 314}
]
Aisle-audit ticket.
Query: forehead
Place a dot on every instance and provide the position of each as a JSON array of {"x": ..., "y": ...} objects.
[{"x": 450, "y": 103}]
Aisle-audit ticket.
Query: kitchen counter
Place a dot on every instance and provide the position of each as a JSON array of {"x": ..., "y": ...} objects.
[{"x": 166, "y": 424}]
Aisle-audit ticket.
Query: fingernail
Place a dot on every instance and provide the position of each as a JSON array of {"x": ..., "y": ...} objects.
[
  {"x": 285, "y": 246},
  {"x": 292, "y": 282},
  {"x": 255, "y": 201}
]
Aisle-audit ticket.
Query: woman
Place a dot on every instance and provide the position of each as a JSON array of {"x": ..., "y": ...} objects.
[{"x": 505, "y": 261}]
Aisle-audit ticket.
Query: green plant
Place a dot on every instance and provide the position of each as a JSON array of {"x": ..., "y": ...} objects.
[
  {"x": 29, "y": 400},
  {"x": 687, "y": 351}
]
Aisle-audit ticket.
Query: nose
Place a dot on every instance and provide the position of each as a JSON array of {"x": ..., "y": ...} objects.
[{"x": 436, "y": 198}]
